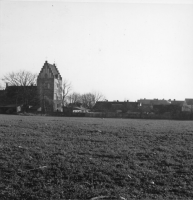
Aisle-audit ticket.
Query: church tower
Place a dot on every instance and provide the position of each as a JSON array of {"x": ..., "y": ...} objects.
[{"x": 49, "y": 84}]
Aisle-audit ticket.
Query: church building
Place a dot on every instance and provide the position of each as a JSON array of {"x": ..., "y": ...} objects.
[{"x": 49, "y": 85}]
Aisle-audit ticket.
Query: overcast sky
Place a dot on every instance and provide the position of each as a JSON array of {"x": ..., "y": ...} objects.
[{"x": 125, "y": 49}]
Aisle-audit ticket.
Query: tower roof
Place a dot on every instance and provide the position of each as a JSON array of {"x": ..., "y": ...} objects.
[
  {"x": 53, "y": 69},
  {"x": 189, "y": 101}
]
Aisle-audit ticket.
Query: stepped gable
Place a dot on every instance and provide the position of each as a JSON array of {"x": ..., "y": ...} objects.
[
  {"x": 53, "y": 69},
  {"x": 42, "y": 69}
]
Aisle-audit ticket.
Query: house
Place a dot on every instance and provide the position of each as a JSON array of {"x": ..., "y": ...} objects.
[
  {"x": 177, "y": 105},
  {"x": 34, "y": 109},
  {"x": 10, "y": 109},
  {"x": 49, "y": 84},
  {"x": 19, "y": 95},
  {"x": 188, "y": 105},
  {"x": 26, "y": 95},
  {"x": 148, "y": 105},
  {"x": 79, "y": 110},
  {"x": 145, "y": 105},
  {"x": 76, "y": 108},
  {"x": 177, "y": 102},
  {"x": 173, "y": 107},
  {"x": 115, "y": 106}
]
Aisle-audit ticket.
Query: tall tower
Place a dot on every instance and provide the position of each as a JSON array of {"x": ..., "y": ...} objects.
[{"x": 49, "y": 84}]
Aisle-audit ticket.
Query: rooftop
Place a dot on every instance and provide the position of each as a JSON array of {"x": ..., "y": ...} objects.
[
  {"x": 54, "y": 70},
  {"x": 189, "y": 101}
]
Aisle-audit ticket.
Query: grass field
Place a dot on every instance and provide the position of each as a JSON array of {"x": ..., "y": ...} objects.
[{"x": 82, "y": 158}]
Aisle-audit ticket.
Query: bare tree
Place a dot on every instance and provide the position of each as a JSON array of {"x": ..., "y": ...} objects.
[
  {"x": 20, "y": 93},
  {"x": 98, "y": 96},
  {"x": 21, "y": 78},
  {"x": 74, "y": 98},
  {"x": 66, "y": 88},
  {"x": 89, "y": 99}
]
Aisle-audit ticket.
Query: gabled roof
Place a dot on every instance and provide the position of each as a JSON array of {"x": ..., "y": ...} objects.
[
  {"x": 154, "y": 102},
  {"x": 115, "y": 105},
  {"x": 53, "y": 69},
  {"x": 160, "y": 102},
  {"x": 180, "y": 103},
  {"x": 189, "y": 101},
  {"x": 145, "y": 101}
]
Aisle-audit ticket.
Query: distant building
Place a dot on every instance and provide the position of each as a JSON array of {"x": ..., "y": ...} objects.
[
  {"x": 9, "y": 109},
  {"x": 116, "y": 106},
  {"x": 49, "y": 85},
  {"x": 46, "y": 96},
  {"x": 177, "y": 102},
  {"x": 188, "y": 105},
  {"x": 147, "y": 105},
  {"x": 19, "y": 97}
]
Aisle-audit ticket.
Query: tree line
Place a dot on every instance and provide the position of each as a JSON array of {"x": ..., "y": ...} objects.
[{"x": 26, "y": 94}]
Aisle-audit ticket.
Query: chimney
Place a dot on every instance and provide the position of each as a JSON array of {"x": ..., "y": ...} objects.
[{"x": 7, "y": 84}]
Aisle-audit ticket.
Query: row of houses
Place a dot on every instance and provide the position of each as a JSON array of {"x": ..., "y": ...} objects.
[
  {"x": 145, "y": 106},
  {"x": 156, "y": 105}
]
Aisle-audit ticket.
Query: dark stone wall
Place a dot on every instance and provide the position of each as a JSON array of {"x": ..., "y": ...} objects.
[
  {"x": 46, "y": 93},
  {"x": 48, "y": 90}
]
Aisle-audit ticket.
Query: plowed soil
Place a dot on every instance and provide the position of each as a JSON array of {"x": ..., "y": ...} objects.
[{"x": 82, "y": 158}]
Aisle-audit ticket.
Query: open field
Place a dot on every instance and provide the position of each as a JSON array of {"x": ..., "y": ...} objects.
[{"x": 81, "y": 158}]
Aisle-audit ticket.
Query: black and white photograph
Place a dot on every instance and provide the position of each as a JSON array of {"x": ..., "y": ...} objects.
[{"x": 96, "y": 100}]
